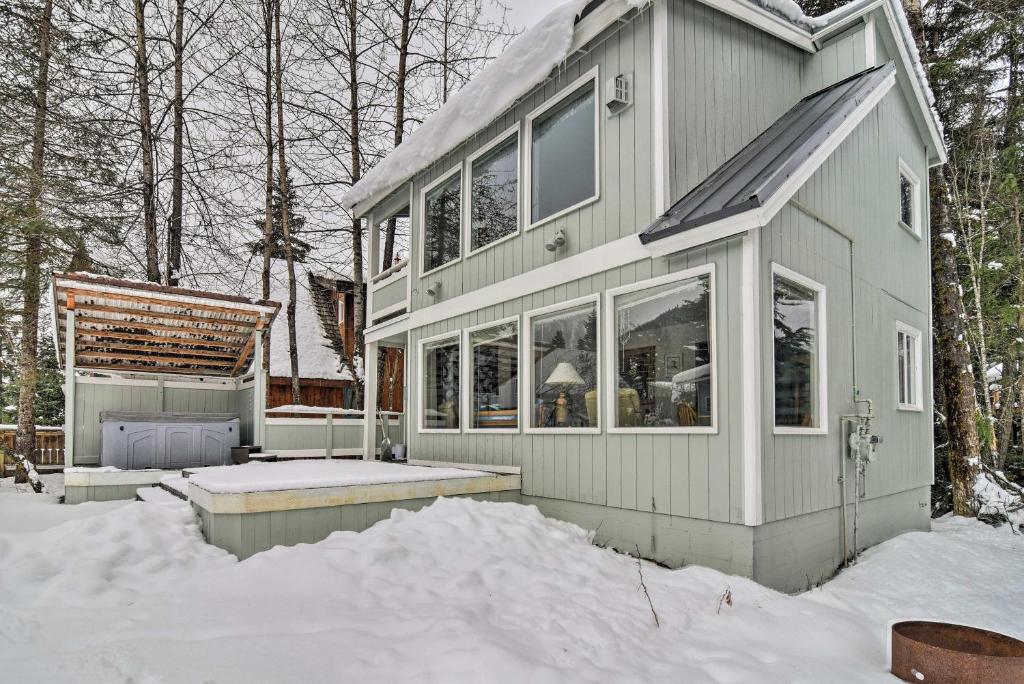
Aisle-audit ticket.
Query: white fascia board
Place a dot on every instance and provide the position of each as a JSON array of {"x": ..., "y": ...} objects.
[
  {"x": 826, "y": 32},
  {"x": 766, "y": 21}
]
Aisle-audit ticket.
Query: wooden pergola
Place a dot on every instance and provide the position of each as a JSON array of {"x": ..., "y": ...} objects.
[{"x": 126, "y": 326}]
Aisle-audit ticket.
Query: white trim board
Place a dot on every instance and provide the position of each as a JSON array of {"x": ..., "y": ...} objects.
[{"x": 751, "y": 385}]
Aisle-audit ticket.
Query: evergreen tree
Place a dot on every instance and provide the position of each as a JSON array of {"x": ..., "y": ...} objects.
[{"x": 300, "y": 248}]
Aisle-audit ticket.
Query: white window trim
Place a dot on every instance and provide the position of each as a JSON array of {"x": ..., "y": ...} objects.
[
  {"x": 527, "y": 336},
  {"x": 917, "y": 405},
  {"x": 915, "y": 182},
  {"x": 423, "y": 219},
  {"x": 420, "y": 381},
  {"x": 497, "y": 141},
  {"x": 467, "y": 378},
  {"x": 612, "y": 351},
  {"x": 567, "y": 91},
  {"x": 822, "y": 343}
]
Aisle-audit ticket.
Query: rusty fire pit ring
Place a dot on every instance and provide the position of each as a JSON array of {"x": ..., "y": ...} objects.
[{"x": 942, "y": 653}]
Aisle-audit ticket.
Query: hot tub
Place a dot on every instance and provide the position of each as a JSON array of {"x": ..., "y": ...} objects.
[{"x": 137, "y": 440}]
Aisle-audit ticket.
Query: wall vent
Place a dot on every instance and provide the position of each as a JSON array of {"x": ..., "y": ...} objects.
[{"x": 619, "y": 93}]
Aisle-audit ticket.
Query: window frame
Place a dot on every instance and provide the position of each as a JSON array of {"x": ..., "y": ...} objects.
[
  {"x": 821, "y": 301},
  {"x": 440, "y": 180},
  {"x": 915, "y": 209},
  {"x": 612, "y": 350},
  {"x": 917, "y": 373},
  {"x": 467, "y": 377},
  {"x": 527, "y": 389},
  {"x": 421, "y": 382},
  {"x": 494, "y": 143},
  {"x": 592, "y": 76}
]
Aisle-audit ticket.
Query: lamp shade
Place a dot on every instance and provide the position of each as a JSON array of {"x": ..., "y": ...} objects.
[{"x": 565, "y": 374}]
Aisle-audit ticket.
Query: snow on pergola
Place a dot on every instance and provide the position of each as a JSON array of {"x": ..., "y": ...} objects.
[{"x": 127, "y": 326}]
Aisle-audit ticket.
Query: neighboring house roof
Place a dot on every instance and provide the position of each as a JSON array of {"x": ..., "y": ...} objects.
[
  {"x": 751, "y": 178},
  {"x": 315, "y": 327},
  {"x": 530, "y": 59}
]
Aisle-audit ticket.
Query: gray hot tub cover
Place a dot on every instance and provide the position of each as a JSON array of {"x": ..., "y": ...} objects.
[{"x": 165, "y": 417}]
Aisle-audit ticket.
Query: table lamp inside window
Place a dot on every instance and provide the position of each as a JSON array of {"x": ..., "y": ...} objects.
[{"x": 564, "y": 378}]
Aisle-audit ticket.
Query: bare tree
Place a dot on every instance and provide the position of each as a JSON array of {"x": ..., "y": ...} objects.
[
  {"x": 282, "y": 179},
  {"x": 146, "y": 132},
  {"x": 174, "y": 225}
]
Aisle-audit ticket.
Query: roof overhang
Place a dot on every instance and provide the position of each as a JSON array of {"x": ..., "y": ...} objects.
[
  {"x": 130, "y": 327},
  {"x": 753, "y": 202}
]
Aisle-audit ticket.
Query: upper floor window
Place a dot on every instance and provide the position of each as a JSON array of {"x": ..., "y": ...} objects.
[
  {"x": 908, "y": 367},
  {"x": 910, "y": 201},
  {"x": 563, "y": 151},
  {"x": 663, "y": 342},
  {"x": 442, "y": 222},
  {"x": 799, "y": 352},
  {"x": 494, "y": 193}
]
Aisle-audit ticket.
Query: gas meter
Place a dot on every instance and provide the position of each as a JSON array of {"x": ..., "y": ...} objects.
[{"x": 863, "y": 443}]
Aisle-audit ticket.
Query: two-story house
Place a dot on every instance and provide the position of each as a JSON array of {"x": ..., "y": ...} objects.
[{"x": 667, "y": 258}]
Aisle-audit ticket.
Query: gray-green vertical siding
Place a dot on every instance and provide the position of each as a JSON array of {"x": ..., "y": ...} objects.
[{"x": 855, "y": 190}]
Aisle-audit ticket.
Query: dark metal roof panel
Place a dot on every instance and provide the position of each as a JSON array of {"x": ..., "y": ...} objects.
[{"x": 751, "y": 177}]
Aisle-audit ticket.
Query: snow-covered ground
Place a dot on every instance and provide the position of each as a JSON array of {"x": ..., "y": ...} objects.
[{"x": 461, "y": 591}]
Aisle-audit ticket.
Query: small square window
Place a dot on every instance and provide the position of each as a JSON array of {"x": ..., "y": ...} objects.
[
  {"x": 909, "y": 202},
  {"x": 908, "y": 367}
]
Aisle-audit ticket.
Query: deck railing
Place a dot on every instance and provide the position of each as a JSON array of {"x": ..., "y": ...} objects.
[{"x": 49, "y": 447}]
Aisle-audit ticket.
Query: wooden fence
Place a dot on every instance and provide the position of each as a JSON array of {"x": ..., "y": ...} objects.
[{"x": 49, "y": 448}]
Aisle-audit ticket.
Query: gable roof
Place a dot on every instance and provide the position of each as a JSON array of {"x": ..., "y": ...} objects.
[{"x": 753, "y": 177}]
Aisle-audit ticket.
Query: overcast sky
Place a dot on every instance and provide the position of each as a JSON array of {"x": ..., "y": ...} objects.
[{"x": 526, "y": 13}]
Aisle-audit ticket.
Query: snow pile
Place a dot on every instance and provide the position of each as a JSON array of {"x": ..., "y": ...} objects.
[
  {"x": 316, "y": 357},
  {"x": 462, "y": 591},
  {"x": 998, "y": 498},
  {"x": 790, "y": 10},
  {"x": 273, "y": 477}
]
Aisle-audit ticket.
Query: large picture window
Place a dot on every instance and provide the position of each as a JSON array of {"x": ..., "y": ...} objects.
[
  {"x": 440, "y": 389},
  {"x": 663, "y": 368},
  {"x": 494, "y": 377},
  {"x": 442, "y": 222},
  {"x": 494, "y": 194},
  {"x": 564, "y": 368},
  {"x": 798, "y": 321},
  {"x": 563, "y": 154},
  {"x": 908, "y": 367}
]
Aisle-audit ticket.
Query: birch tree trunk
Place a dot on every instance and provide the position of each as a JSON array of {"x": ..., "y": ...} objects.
[
  {"x": 25, "y": 438},
  {"x": 401, "y": 78},
  {"x": 268, "y": 138},
  {"x": 282, "y": 179},
  {"x": 359, "y": 301},
  {"x": 146, "y": 131},
  {"x": 177, "y": 166}
]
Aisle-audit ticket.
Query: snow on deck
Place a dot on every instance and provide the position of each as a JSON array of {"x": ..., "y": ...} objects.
[{"x": 273, "y": 477}]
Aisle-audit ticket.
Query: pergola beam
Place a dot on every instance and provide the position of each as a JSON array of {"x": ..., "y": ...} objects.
[
  {"x": 155, "y": 358},
  {"x": 157, "y": 301},
  {"x": 84, "y": 346},
  {"x": 141, "y": 337},
  {"x": 91, "y": 320},
  {"x": 168, "y": 315}
]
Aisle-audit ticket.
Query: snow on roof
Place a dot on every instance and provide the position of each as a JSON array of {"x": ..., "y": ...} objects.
[
  {"x": 317, "y": 359},
  {"x": 528, "y": 60},
  {"x": 275, "y": 477}
]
